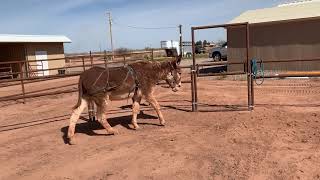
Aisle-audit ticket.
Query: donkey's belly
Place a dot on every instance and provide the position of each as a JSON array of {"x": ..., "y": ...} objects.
[
  {"x": 117, "y": 96},
  {"x": 123, "y": 92}
]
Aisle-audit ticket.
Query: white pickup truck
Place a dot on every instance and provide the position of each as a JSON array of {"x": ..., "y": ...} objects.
[
  {"x": 169, "y": 45},
  {"x": 219, "y": 53}
]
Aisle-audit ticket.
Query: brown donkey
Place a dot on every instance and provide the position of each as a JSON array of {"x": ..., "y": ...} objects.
[{"x": 136, "y": 81}]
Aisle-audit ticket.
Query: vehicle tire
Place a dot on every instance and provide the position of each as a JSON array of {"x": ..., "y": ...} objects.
[{"x": 216, "y": 56}]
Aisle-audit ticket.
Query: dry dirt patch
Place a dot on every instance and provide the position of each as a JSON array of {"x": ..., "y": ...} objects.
[{"x": 278, "y": 140}]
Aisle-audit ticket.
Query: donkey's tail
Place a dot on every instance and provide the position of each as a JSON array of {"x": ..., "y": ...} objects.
[{"x": 80, "y": 90}]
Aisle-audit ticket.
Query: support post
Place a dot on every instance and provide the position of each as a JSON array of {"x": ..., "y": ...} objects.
[
  {"x": 192, "y": 89},
  {"x": 193, "y": 76},
  {"x": 180, "y": 38},
  {"x": 105, "y": 59},
  {"x": 83, "y": 65},
  {"x": 196, "y": 86},
  {"x": 26, "y": 65},
  {"x": 22, "y": 84},
  {"x": 91, "y": 59},
  {"x": 152, "y": 54},
  {"x": 248, "y": 70},
  {"x": 91, "y": 110},
  {"x": 252, "y": 87}
]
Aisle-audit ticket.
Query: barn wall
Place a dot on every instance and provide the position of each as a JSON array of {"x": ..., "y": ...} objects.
[
  {"x": 236, "y": 37},
  {"x": 278, "y": 41},
  {"x": 54, "y": 51},
  {"x": 12, "y": 52}
]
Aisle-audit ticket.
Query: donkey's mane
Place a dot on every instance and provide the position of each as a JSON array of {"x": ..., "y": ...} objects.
[
  {"x": 153, "y": 69},
  {"x": 155, "y": 64}
]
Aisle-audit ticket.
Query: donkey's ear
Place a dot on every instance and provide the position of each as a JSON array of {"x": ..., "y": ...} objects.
[
  {"x": 174, "y": 63},
  {"x": 178, "y": 61}
]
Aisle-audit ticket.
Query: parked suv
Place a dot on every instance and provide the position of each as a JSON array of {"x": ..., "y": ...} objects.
[{"x": 219, "y": 53}]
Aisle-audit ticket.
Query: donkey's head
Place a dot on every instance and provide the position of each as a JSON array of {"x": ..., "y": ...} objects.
[{"x": 174, "y": 76}]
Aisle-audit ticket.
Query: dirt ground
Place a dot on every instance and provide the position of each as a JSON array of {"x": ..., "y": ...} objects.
[{"x": 280, "y": 139}]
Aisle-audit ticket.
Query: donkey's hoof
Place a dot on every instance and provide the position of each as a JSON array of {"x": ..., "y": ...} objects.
[
  {"x": 113, "y": 131},
  {"x": 72, "y": 141},
  {"x": 136, "y": 127},
  {"x": 162, "y": 123}
]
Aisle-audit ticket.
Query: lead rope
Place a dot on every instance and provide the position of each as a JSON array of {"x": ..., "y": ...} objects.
[{"x": 256, "y": 71}]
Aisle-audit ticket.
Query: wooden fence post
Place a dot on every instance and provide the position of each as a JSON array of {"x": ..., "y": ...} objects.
[
  {"x": 84, "y": 67},
  {"x": 105, "y": 58},
  {"x": 152, "y": 54},
  {"x": 91, "y": 59}
]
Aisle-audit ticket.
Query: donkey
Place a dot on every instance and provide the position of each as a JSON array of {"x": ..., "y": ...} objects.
[{"x": 137, "y": 80}]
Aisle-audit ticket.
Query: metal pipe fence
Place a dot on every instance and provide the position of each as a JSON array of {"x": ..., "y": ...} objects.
[
  {"x": 84, "y": 62},
  {"x": 195, "y": 66},
  {"x": 247, "y": 66},
  {"x": 87, "y": 61}
]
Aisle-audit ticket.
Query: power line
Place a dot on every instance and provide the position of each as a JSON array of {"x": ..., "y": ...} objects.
[{"x": 148, "y": 28}]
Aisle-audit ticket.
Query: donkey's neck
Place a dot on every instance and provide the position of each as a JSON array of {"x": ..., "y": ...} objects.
[
  {"x": 161, "y": 70},
  {"x": 152, "y": 71}
]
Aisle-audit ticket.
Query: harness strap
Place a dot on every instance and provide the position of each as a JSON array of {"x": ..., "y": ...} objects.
[
  {"x": 134, "y": 74},
  {"x": 100, "y": 77},
  {"x": 131, "y": 72},
  {"x": 136, "y": 81}
]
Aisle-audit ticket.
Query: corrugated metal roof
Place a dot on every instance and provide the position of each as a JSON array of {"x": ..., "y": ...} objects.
[
  {"x": 288, "y": 12},
  {"x": 15, "y": 38}
]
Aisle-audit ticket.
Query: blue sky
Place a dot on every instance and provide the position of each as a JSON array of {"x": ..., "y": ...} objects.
[{"x": 85, "y": 21}]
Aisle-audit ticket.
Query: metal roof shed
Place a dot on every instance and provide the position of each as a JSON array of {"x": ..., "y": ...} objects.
[
  {"x": 286, "y": 32},
  {"x": 35, "y": 50}
]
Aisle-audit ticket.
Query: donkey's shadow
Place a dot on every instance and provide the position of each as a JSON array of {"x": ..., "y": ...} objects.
[{"x": 88, "y": 127}]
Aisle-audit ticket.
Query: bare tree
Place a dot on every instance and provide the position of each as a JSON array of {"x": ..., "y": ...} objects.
[{"x": 122, "y": 50}]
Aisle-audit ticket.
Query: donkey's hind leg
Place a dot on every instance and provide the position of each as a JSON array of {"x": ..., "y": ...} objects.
[
  {"x": 135, "y": 108},
  {"x": 102, "y": 117},
  {"x": 74, "y": 118}
]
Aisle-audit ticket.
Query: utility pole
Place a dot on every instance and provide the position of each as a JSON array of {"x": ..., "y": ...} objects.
[
  {"x": 110, "y": 29},
  {"x": 180, "y": 35}
]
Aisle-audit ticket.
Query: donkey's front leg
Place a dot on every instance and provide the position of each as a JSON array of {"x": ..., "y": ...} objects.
[
  {"x": 135, "y": 111},
  {"x": 135, "y": 108},
  {"x": 154, "y": 103}
]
